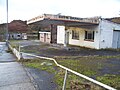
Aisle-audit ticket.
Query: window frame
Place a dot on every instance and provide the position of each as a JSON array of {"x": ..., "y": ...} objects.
[
  {"x": 89, "y": 36},
  {"x": 75, "y": 34}
]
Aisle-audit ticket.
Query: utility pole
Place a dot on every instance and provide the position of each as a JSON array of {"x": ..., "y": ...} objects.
[{"x": 7, "y": 21}]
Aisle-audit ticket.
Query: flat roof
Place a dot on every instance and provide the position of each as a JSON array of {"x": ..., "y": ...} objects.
[{"x": 67, "y": 20}]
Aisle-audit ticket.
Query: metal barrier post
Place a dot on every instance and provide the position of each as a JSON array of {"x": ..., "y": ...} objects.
[{"x": 64, "y": 83}]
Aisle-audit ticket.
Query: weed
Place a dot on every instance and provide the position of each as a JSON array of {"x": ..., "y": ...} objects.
[
  {"x": 36, "y": 63},
  {"x": 112, "y": 80}
]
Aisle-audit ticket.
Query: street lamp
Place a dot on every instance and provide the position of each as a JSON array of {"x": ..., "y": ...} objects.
[{"x": 7, "y": 21}]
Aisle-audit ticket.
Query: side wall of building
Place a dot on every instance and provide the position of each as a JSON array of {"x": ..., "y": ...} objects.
[{"x": 106, "y": 33}]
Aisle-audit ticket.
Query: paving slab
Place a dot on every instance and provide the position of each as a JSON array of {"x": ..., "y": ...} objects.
[
  {"x": 14, "y": 77},
  {"x": 12, "y": 74},
  {"x": 4, "y": 56},
  {"x": 20, "y": 86}
]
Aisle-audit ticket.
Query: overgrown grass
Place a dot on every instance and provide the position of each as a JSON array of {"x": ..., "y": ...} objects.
[
  {"x": 113, "y": 80},
  {"x": 73, "y": 82},
  {"x": 88, "y": 65},
  {"x": 40, "y": 64},
  {"x": 91, "y": 66}
]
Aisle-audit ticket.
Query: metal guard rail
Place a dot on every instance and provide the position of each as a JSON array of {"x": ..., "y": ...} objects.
[{"x": 74, "y": 72}]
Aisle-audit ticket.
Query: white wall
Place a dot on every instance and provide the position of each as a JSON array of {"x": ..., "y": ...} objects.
[
  {"x": 103, "y": 36},
  {"x": 45, "y": 37},
  {"x": 60, "y": 34},
  {"x": 116, "y": 39},
  {"x": 106, "y": 30},
  {"x": 24, "y": 36},
  {"x": 81, "y": 41}
]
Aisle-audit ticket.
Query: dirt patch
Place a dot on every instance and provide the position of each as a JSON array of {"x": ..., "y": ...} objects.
[
  {"x": 51, "y": 51},
  {"x": 56, "y": 50}
]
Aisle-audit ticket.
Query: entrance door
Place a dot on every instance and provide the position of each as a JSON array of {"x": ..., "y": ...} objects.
[
  {"x": 116, "y": 39},
  {"x": 118, "y": 42}
]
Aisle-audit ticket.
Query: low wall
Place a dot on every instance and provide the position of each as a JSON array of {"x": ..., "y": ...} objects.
[{"x": 15, "y": 51}]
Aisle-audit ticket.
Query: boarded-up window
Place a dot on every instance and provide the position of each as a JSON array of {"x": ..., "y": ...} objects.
[
  {"x": 75, "y": 34},
  {"x": 89, "y": 35}
]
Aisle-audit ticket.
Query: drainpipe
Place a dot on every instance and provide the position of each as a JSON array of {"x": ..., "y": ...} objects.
[{"x": 100, "y": 32}]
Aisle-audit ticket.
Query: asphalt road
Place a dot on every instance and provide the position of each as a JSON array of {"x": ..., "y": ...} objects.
[{"x": 43, "y": 79}]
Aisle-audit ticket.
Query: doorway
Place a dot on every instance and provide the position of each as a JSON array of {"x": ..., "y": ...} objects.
[{"x": 116, "y": 39}]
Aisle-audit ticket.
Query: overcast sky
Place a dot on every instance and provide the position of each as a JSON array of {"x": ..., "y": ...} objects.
[{"x": 27, "y": 9}]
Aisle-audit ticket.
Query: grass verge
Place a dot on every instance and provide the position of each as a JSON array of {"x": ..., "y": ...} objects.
[
  {"x": 94, "y": 66},
  {"x": 73, "y": 82}
]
